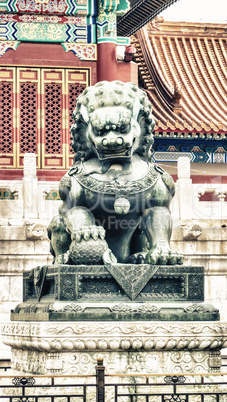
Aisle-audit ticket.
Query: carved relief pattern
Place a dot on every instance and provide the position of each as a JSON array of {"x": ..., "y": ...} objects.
[
  {"x": 84, "y": 363},
  {"x": 116, "y": 336},
  {"x": 86, "y": 269},
  {"x": 195, "y": 287},
  {"x": 183, "y": 168},
  {"x": 132, "y": 280},
  {"x": 141, "y": 309},
  {"x": 29, "y": 163},
  {"x": 30, "y": 361},
  {"x": 71, "y": 308},
  {"x": 67, "y": 287},
  {"x": 132, "y": 187},
  {"x": 89, "y": 287},
  {"x": 162, "y": 288},
  {"x": 188, "y": 362}
]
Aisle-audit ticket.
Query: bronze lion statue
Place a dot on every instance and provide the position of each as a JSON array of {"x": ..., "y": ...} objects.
[{"x": 115, "y": 201}]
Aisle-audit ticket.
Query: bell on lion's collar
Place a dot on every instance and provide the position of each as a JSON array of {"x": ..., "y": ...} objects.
[{"x": 121, "y": 206}]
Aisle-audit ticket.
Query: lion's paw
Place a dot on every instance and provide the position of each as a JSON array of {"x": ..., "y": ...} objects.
[
  {"x": 88, "y": 252},
  {"x": 160, "y": 256},
  {"x": 88, "y": 245},
  {"x": 137, "y": 258},
  {"x": 62, "y": 259}
]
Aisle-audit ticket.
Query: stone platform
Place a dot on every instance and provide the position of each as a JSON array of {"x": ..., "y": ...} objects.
[
  {"x": 140, "y": 318},
  {"x": 114, "y": 282},
  {"x": 126, "y": 347},
  {"x": 122, "y": 292}
]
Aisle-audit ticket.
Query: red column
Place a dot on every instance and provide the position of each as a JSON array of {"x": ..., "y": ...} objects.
[
  {"x": 109, "y": 69},
  {"x": 107, "y": 62}
]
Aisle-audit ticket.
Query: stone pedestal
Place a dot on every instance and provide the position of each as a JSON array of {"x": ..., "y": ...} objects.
[
  {"x": 141, "y": 319},
  {"x": 126, "y": 347}
]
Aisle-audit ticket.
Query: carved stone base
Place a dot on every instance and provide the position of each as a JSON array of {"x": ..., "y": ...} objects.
[
  {"x": 115, "y": 282},
  {"x": 144, "y": 362},
  {"x": 127, "y": 348},
  {"x": 122, "y": 292},
  {"x": 129, "y": 311}
]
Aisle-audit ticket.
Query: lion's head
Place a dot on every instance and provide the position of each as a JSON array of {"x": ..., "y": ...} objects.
[{"x": 112, "y": 120}]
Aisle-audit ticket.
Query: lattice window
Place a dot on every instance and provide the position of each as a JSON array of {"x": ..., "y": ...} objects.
[
  {"x": 6, "y": 117},
  {"x": 28, "y": 117},
  {"x": 36, "y": 106},
  {"x": 74, "y": 91},
  {"x": 53, "y": 119}
]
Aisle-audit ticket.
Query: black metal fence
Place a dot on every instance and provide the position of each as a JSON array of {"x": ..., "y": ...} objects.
[
  {"x": 117, "y": 388},
  {"x": 224, "y": 363},
  {"x": 5, "y": 365}
]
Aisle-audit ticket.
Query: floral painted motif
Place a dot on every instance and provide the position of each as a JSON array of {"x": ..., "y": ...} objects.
[
  {"x": 83, "y": 52},
  {"x": 5, "y": 45},
  {"x": 67, "y": 7}
]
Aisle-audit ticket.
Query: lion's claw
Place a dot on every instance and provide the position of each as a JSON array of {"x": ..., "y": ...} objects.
[
  {"x": 163, "y": 257},
  {"x": 102, "y": 232},
  {"x": 62, "y": 258},
  {"x": 180, "y": 259},
  {"x": 88, "y": 232},
  {"x": 109, "y": 258}
]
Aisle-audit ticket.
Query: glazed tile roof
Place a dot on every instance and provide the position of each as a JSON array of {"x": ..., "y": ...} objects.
[{"x": 183, "y": 67}]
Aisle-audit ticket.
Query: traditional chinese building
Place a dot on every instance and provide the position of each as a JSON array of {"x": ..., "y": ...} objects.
[
  {"x": 48, "y": 55},
  {"x": 183, "y": 68},
  {"x": 50, "y": 50}
]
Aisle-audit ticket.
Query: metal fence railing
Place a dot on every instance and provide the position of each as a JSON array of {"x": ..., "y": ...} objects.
[
  {"x": 5, "y": 365},
  {"x": 101, "y": 387},
  {"x": 224, "y": 363}
]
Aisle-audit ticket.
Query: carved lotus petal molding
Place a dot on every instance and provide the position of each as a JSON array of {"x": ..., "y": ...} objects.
[{"x": 104, "y": 336}]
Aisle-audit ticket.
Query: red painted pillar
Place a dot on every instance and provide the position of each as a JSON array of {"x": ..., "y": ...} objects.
[{"x": 107, "y": 62}]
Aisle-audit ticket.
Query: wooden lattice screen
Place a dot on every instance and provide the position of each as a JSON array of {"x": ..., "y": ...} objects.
[{"x": 36, "y": 106}]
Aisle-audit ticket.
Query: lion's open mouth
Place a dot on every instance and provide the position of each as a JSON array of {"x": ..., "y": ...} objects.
[{"x": 114, "y": 153}]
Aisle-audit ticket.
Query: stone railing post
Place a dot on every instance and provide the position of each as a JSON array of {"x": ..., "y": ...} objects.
[
  {"x": 30, "y": 187},
  {"x": 184, "y": 188}
]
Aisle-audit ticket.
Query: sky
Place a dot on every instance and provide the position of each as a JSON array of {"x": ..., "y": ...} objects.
[{"x": 197, "y": 11}]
